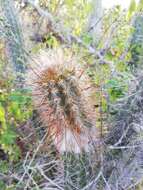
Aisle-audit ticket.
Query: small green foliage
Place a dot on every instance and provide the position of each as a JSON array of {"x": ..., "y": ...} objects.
[
  {"x": 15, "y": 108},
  {"x": 116, "y": 88},
  {"x": 2, "y": 185},
  {"x": 132, "y": 8},
  {"x": 19, "y": 102},
  {"x": 2, "y": 117},
  {"x": 51, "y": 41},
  {"x": 87, "y": 39},
  {"x": 4, "y": 167},
  {"x": 8, "y": 137}
]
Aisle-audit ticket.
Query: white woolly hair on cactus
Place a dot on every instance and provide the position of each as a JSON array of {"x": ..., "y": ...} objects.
[{"x": 65, "y": 108}]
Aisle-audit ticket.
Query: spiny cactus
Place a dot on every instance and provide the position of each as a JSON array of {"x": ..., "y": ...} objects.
[
  {"x": 62, "y": 102},
  {"x": 13, "y": 39}
]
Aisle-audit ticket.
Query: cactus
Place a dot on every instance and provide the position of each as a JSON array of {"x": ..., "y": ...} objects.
[
  {"x": 67, "y": 112},
  {"x": 62, "y": 103},
  {"x": 13, "y": 39}
]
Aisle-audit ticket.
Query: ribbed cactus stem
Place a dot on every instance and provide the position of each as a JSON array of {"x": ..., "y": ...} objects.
[
  {"x": 67, "y": 112},
  {"x": 64, "y": 108},
  {"x": 13, "y": 39}
]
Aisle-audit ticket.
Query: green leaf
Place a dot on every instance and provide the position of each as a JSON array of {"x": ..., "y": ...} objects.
[
  {"x": 132, "y": 8},
  {"x": 14, "y": 108},
  {"x": 2, "y": 185},
  {"x": 17, "y": 96},
  {"x": 87, "y": 39},
  {"x": 2, "y": 116},
  {"x": 8, "y": 137},
  {"x": 4, "y": 167}
]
